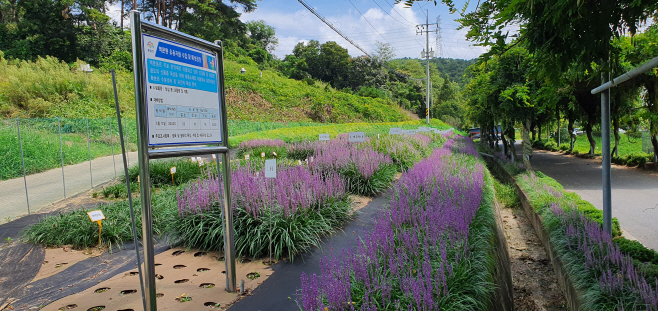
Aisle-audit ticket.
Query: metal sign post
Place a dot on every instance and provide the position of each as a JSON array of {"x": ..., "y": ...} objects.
[{"x": 180, "y": 101}]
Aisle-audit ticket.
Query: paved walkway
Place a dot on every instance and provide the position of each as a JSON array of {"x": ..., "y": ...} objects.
[
  {"x": 46, "y": 188},
  {"x": 279, "y": 291},
  {"x": 634, "y": 191}
]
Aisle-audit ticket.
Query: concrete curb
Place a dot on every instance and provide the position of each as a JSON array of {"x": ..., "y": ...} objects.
[
  {"x": 504, "y": 295},
  {"x": 571, "y": 293}
]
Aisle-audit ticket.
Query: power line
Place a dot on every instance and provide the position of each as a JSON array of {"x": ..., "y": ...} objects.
[
  {"x": 324, "y": 20},
  {"x": 396, "y": 11},
  {"x": 373, "y": 27},
  {"x": 389, "y": 14}
]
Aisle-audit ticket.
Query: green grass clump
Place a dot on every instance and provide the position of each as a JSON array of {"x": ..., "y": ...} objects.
[
  {"x": 506, "y": 195},
  {"x": 119, "y": 191},
  {"x": 160, "y": 172},
  {"x": 371, "y": 186},
  {"x": 290, "y": 235},
  {"x": 74, "y": 228}
]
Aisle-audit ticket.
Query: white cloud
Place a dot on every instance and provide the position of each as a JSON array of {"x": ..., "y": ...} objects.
[{"x": 396, "y": 26}]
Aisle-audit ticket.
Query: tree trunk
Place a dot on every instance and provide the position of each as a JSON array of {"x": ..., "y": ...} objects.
[
  {"x": 509, "y": 132},
  {"x": 572, "y": 136},
  {"x": 122, "y": 12},
  {"x": 557, "y": 117},
  {"x": 527, "y": 145},
  {"x": 494, "y": 135},
  {"x": 538, "y": 130},
  {"x": 171, "y": 14},
  {"x": 615, "y": 129},
  {"x": 505, "y": 149},
  {"x": 590, "y": 138}
]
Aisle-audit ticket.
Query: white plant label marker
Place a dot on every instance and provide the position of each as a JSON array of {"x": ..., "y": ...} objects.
[
  {"x": 200, "y": 160},
  {"x": 324, "y": 137},
  {"x": 96, "y": 215},
  {"x": 262, "y": 154},
  {"x": 410, "y": 132},
  {"x": 193, "y": 159},
  {"x": 172, "y": 170},
  {"x": 246, "y": 157},
  {"x": 395, "y": 131},
  {"x": 214, "y": 157},
  {"x": 356, "y": 137},
  {"x": 270, "y": 168}
]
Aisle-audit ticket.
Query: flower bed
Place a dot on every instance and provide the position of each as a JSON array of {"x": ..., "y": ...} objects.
[
  {"x": 609, "y": 279},
  {"x": 431, "y": 249},
  {"x": 306, "y": 201}
]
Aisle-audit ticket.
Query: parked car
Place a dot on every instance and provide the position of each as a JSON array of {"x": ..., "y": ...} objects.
[{"x": 577, "y": 131}]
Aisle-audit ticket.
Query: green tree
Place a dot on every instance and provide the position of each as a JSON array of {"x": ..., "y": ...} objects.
[{"x": 262, "y": 35}]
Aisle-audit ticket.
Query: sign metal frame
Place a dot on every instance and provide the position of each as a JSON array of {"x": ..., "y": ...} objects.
[{"x": 148, "y": 152}]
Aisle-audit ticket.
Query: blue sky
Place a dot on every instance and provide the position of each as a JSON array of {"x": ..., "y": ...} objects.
[
  {"x": 363, "y": 21},
  {"x": 382, "y": 21}
]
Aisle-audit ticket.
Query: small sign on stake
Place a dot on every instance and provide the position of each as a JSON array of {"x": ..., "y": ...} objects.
[
  {"x": 193, "y": 159},
  {"x": 200, "y": 161},
  {"x": 270, "y": 168},
  {"x": 246, "y": 157},
  {"x": 395, "y": 131},
  {"x": 357, "y": 137},
  {"x": 97, "y": 216},
  {"x": 324, "y": 137},
  {"x": 262, "y": 154},
  {"x": 214, "y": 157},
  {"x": 172, "y": 170},
  {"x": 274, "y": 154}
]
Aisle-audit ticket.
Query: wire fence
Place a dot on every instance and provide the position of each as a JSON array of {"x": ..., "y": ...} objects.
[{"x": 48, "y": 159}]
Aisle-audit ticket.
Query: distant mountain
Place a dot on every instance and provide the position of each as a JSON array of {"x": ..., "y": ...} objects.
[{"x": 449, "y": 67}]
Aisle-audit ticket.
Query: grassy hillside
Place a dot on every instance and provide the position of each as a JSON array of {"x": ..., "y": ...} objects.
[{"x": 50, "y": 88}]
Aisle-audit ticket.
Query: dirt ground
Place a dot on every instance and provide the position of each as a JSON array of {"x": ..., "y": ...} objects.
[{"x": 535, "y": 285}]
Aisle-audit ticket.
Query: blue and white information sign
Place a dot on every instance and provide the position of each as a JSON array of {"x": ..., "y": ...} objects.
[{"x": 182, "y": 95}]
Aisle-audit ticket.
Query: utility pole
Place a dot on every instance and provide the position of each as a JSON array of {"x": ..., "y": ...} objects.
[{"x": 427, "y": 54}]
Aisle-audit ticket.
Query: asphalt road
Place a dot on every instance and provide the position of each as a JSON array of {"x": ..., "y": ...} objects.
[{"x": 634, "y": 191}]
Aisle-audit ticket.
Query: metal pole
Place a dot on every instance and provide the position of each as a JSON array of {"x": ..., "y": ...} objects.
[
  {"x": 91, "y": 176},
  {"x": 229, "y": 232},
  {"x": 130, "y": 198},
  {"x": 605, "y": 150},
  {"x": 20, "y": 142},
  {"x": 229, "y": 244},
  {"x": 61, "y": 154},
  {"x": 142, "y": 148},
  {"x": 112, "y": 136},
  {"x": 427, "y": 58}
]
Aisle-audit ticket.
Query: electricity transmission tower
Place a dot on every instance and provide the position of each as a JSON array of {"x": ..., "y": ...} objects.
[{"x": 427, "y": 54}]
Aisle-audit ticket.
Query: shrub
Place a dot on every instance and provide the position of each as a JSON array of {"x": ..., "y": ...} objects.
[
  {"x": 551, "y": 145},
  {"x": 160, "y": 172},
  {"x": 637, "y": 159},
  {"x": 564, "y": 147},
  {"x": 636, "y": 250}
]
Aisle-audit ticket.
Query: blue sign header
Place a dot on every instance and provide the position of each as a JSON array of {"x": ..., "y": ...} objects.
[{"x": 179, "y": 54}]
